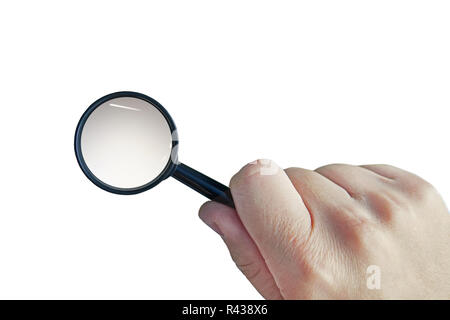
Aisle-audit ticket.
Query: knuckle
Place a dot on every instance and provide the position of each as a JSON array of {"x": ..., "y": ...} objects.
[
  {"x": 420, "y": 190},
  {"x": 384, "y": 166},
  {"x": 425, "y": 189},
  {"x": 385, "y": 205},
  {"x": 300, "y": 174},
  {"x": 355, "y": 226},
  {"x": 292, "y": 171},
  {"x": 333, "y": 167},
  {"x": 427, "y": 194}
]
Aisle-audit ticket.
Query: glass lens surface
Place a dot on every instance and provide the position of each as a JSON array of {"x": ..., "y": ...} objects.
[{"x": 126, "y": 142}]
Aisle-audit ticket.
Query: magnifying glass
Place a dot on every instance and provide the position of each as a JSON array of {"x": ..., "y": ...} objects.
[{"x": 127, "y": 143}]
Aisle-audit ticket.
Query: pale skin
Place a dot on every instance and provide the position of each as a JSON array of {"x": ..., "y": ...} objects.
[{"x": 303, "y": 234}]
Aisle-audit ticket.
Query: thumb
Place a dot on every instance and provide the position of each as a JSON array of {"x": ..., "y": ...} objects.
[{"x": 243, "y": 250}]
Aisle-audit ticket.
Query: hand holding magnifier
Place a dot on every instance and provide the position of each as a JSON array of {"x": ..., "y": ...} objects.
[{"x": 126, "y": 143}]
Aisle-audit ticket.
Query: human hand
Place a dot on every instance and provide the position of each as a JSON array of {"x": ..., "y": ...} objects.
[{"x": 301, "y": 234}]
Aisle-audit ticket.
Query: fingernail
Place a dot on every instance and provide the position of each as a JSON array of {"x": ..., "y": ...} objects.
[{"x": 263, "y": 167}]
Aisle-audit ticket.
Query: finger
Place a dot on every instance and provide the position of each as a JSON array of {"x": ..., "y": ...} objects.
[
  {"x": 357, "y": 181},
  {"x": 273, "y": 213},
  {"x": 403, "y": 180},
  {"x": 243, "y": 250},
  {"x": 373, "y": 191},
  {"x": 330, "y": 205},
  {"x": 391, "y": 172},
  {"x": 318, "y": 192}
]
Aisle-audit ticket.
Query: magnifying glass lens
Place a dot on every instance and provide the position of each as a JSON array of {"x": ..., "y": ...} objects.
[{"x": 126, "y": 142}]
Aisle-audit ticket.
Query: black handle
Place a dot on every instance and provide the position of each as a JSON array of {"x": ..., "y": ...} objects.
[{"x": 208, "y": 187}]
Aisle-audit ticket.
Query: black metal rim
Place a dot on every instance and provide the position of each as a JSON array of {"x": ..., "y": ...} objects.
[{"x": 170, "y": 166}]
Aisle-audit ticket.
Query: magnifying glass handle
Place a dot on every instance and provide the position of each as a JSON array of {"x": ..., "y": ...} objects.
[{"x": 208, "y": 187}]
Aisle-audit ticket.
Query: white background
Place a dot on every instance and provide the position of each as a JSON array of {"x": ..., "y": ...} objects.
[{"x": 303, "y": 83}]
